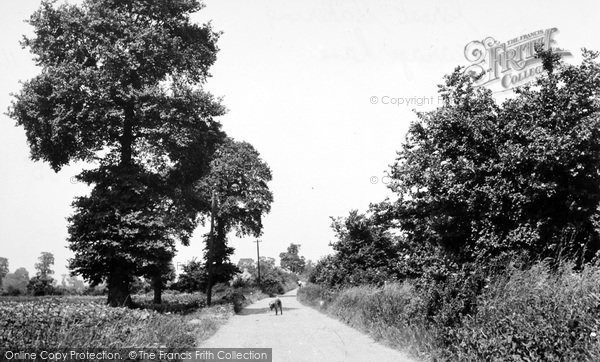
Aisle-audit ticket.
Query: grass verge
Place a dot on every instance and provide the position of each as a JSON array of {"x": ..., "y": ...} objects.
[{"x": 532, "y": 315}]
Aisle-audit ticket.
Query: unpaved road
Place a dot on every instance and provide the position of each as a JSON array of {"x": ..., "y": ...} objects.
[{"x": 300, "y": 334}]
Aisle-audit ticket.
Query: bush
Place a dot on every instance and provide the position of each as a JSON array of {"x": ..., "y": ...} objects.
[
  {"x": 40, "y": 286},
  {"x": 236, "y": 297},
  {"x": 271, "y": 286},
  {"x": 180, "y": 303}
]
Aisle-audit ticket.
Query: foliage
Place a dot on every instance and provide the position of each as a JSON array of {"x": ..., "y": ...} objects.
[
  {"x": 192, "y": 279},
  {"x": 43, "y": 283},
  {"x": 538, "y": 314},
  {"x": 484, "y": 191},
  {"x": 237, "y": 185},
  {"x": 308, "y": 269},
  {"x": 120, "y": 87},
  {"x": 481, "y": 181},
  {"x": 44, "y": 265},
  {"x": 88, "y": 323},
  {"x": 40, "y": 286},
  {"x": 71, "y": 285},
  {"x": 243, "y": 279},
  {"x": 365, "y": 253},
  {"x": 246, "y": 263},
  {"x": 16, "y": 283},
  {"x": 273, "y": 279},
  {"x": 291, "y": 260},
  {"x": 238, "y": 177},
  {"x": 180, "y": 303}
]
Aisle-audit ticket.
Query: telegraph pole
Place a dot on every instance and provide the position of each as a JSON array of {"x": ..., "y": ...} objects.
[{"x": 258, "y": 260}]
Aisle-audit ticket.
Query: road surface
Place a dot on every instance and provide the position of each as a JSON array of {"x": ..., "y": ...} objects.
[{"x": 300, "y": 334}]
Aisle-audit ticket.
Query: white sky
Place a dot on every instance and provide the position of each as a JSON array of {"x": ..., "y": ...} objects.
[{"x": 297, "y": 78}]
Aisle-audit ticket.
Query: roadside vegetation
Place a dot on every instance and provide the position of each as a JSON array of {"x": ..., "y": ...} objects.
[
  {"x": 536, "y": 314},
  {"x": 490, "y": 249},
  {"x": 68, "y": 316},
  {"x": 57, "y": 322},
  {"x": 182, "y": 320}
]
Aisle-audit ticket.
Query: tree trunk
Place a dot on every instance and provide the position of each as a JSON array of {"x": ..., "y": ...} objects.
[
  {"x": 157, "y": 286},
  {"x": 210, "y": 250},
  {"x": 118, "y": 290},
  {"x": 118, "y": 278}
]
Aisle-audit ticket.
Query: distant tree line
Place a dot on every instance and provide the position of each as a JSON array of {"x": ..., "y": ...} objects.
[{"x": 42, "y": 283}]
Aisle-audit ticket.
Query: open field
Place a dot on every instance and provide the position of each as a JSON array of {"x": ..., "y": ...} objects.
[{"x": 78, "y": 322}]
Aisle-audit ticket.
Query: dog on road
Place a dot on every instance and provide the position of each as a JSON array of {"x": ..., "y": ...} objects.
[{"x": 276, "y": 303}]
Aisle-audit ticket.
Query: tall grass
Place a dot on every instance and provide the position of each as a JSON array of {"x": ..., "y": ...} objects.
[
  {"x": 532, "y": 315},
  {"x": 536, "y": 315}
]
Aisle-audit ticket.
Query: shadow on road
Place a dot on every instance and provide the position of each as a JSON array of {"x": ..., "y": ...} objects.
[{"x": 252, "y": 311}]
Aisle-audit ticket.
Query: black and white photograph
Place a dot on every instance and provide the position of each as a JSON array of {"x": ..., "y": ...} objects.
[{"x": 322, "y": 180}]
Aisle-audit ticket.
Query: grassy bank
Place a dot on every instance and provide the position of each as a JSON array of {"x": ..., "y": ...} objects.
[{"x": 532, "y": 315}]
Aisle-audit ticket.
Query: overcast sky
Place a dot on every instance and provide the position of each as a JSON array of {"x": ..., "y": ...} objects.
[{"x": 298, "y": 79}]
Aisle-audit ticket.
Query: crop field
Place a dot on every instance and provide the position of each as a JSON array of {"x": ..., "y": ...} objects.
[{"x": 85, "y": 322}]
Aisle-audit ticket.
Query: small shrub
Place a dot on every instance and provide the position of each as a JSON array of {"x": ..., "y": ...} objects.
[
  {"x": 237, "y": 298},
  {"x": 40, "y": 286}
]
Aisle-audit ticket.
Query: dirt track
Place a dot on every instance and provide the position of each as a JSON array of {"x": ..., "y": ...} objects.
[{"x": 300, "y": 334}]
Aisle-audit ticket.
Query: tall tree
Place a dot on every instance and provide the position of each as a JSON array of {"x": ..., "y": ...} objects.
[
  {"x": 291, "y": 259},
  {"x": 237, "y": 182},
  {"x": 121, "y": 86},
  {"x": 43, "y": 282},
  {"x": 44, "y": 265}
]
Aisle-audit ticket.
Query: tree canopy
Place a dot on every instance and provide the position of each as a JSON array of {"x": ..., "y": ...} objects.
[
  {"x": 291, "y": 259},
  {"x": 237, "y": 184},
  {"x": 121, "y": 88},
  {"x": 484, "y": 181},
  {"x": 480, "y": 185}
]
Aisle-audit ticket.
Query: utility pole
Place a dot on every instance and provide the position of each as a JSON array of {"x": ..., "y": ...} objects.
[{"x": 258, "y": 260}]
